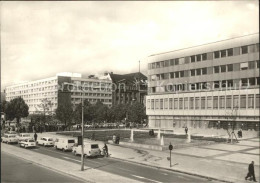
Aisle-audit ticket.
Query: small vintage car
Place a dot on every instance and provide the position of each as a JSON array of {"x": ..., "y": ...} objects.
[
  {"x": 46, "y": 141},
  {"x": 90, "y": 150},
  {"x": 28, "y": 143},
  {"x": 9, "y": 138}
]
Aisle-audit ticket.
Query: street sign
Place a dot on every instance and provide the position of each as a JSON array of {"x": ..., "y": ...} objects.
[
  {"x": 170, "y": 147},
  {"x": 79, "y": 140}
]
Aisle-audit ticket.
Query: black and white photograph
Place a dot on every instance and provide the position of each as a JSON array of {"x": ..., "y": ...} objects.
[{"x": 130, "y": 91}]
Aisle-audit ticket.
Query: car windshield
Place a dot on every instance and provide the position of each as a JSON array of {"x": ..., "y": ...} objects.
[
  {"x": 31, "y": 140},
  {"x": 50, "y": 140},
  {"x": 12, "y": 136},
  {"x": 94, "y": 146},
  {"x": 71, "y": 141}
]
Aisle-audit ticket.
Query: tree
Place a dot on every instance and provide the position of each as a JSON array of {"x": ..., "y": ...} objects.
[
  {"x": 64, "y": 113},
  {"x": 88, "y": 112},
  {"x": 45, "y": 108},
  {"x": 136, "y": 112},
  {"x": 3, "y": 106},
  {"x": 100, "y": 112},
  {"x": 17, "y": 108}
]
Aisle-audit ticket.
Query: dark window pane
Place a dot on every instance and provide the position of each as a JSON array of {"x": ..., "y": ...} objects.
[
  {"x": 216, "y": 84},
  {"x": 224, "y": 83},
  {"x": 230, "y": 67},
  {"x": 176, "y": 61},
  {"x": 172, "y": 74},
  {"x": 223, "y": 53},
  {"x": 204, "y": 71},
  {"x": 198, "y": 71},
  {"x": 204, "y": 56},
  {"x": 244, "y": 82},
  {"x": 198, "y": 58},
  {"x": 252, "y": 81},
  {"x": 216, "y": 54},
  {"x": 177, "y": 75},
  {"x": 223, "y": 68},
  {"x": 181, "y": 74},
  {"x": 230, "y": 83},
  {"x": 192, "y": 72},
  {"x": 216, "y": 69},
  {"x": 244, "y": 49},
  {"x": 230, "y": 52},
  {"x": 192, "y": 58}
]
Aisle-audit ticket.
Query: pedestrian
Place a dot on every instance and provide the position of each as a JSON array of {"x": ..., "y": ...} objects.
[
  {"x": 117, "y": 139},
  {"x": 251, "y": 171},
  {"x": 35, "y": 136},
  {"x": 105, "y": 149},
  {"x": 186, "y": 130},
  {"x": 241, "y": 133}
]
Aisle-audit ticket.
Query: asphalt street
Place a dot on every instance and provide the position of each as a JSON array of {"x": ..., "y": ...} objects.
[
  {"x": 123, "y": 168},
  {"x": 14, "y": 169}
]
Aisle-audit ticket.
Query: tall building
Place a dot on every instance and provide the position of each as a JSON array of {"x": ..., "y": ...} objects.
[
  {"x": 127, "y": 88},
  {"x": 206, "y": 86},
  {"x": 60, "y": 89}
]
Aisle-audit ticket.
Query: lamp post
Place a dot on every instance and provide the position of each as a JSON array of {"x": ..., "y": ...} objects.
[{"x": 82, "y": 134}]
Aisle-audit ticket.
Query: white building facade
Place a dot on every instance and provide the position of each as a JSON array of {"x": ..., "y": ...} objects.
[{"x": 206, "y": 86}]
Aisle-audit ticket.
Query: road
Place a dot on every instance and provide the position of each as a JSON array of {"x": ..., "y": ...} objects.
[
  {"x": 14, "y": 169},
  {"x": 126, "y": 169}
]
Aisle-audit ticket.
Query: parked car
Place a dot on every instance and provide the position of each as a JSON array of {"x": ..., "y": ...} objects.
[
  {"x": 90, "y": 150},
  {"x": 28, "y": 143},
  {"x": 46, "y": 141},
  {"x": 65, "y": 144},
  {"x": 9, "y": 138},
  {"x": 23, "y": 136}
]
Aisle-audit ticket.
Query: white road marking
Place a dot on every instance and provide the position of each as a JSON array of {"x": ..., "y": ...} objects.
[
  {"x": 71, "y": 159},
  {"x": 145, "y": 178}
]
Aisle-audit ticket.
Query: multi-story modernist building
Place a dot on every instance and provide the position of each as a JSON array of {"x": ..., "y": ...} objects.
[
  {"x": 127, "y": 88},
  {"x": 206, "y": 86},
  {"x": 55, "y": 90}
]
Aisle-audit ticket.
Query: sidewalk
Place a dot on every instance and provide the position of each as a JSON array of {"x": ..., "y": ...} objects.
[{"x": 226, "y": 162}]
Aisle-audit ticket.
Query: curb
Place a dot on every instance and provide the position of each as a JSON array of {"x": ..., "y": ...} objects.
[{"x": 178, "y": 171}]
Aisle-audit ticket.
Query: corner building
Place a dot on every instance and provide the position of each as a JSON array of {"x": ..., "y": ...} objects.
[{"x": 206, "y": 86}]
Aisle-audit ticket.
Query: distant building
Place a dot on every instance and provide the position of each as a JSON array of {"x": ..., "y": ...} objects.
[
  {"x": 206, "y": 86},
  {"x": 127, "y": 88},
  {"x": 60, "y": 89}
]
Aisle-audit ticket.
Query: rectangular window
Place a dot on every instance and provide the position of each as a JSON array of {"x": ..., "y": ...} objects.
[
  {"x": 216, "y": 84},
  {"x": 223, "y": 83},
  {"x": 251, "y": 81},
  {"x": 166, "y": 76},
  {"x": 223, "y": 53},
  {"x": 216, "y": 54},
  {"x": 230, "y": 67},
  {"x": 181, "y": 103},
  {"x": 157, "y": 104},
  {"x": 165, "y": 103},
  {"x": 244, "y": 82},
  {"x": 161, "y": 103},
  {"x": 244, "y": 49},
  {"x": 204, "y": 71},
  {"x": 170, "y": 103},
  {"x": 197, "y": 103},
  {"x": 257, "y": 64},
  {"x": 148, "y": 104},
  {"x": 166, "y": 64},
  {"x": 228, "y": 102},
  {"x": 162, "y": 63},
  {"x": 216, "y": 69},
  {"x": 242, "y": 101},
  {"x": 250, "y": 101},
  {"x": 192, "y": 72},
  {"x": 215, "y": 102},
  {"x": 257, "y": 98},
  {"x": 198, "y": 58},
  {"x": 191, "y": 102},
  {"x": 172, "y": 75},
  {"x": 203, "y": 103},
  {"x": 175, "y": 103},
  {"x": 244, "y": 66},
  {"x": 181, "y": 61},
  {"x": 223, "y": 68},
  {"x": 152, "y": 104},
  {"x": 181, "y": 74},
  {"x": 204, "y": 56},
  {"x": 192, "y": 59},
  {"x": 171, "y": 62},
  {"x": 235, "y": 101},
  {"x": 251, "y": 65},
  {"x": 198, "y": 72},
  {"x": 230, "y": 52},
  {"x": 176, "y": 61},
  {"x": 157, "y": 64},
  {"x": 222, "y": 102},
  {"x": 177, "y": 75},
  {"x": 230, "y": 83},
  {"x": 209, "y": 102},
  {"x": 186, "y": 103}
]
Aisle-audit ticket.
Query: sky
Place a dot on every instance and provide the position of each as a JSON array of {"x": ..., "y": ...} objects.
[{"x": 42, "y": 38}]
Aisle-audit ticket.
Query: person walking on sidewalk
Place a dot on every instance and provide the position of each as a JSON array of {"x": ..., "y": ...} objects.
[
  {"x": 186, "y": 130},
  {"x": 105, "y": 150},
  {"x": 251, "y": 171},
  {"x": 35, "y": 136}
]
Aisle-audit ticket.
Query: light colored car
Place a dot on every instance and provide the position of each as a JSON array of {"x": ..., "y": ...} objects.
[
  {"x": 46, "y": 141},
  {"x": 65, "y": 144},
  {"x": 28, "y": 143},
  {"x": 9, "y": 138},
  {"x": 90, "y": 150},
  {"x": 23, "y": 136}
]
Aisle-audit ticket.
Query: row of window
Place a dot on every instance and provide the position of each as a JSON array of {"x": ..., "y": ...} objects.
[
  {"x": 250, "y": 101},
  {"x": 53, "y": 99},
  {"x": 92, "y": 100},
  {"x": 32, "y": 85},
  {"x": 208, "y": 86},
  {"x": 92, "y": 94},
  {"x": 206, "y": 56},
  {"x": 206, "y": 70}
]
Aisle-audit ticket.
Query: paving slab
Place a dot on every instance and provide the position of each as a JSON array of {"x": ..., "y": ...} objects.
[
  {"x": 240, "y": 158},
  {"x": 193, "y": 151}
]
